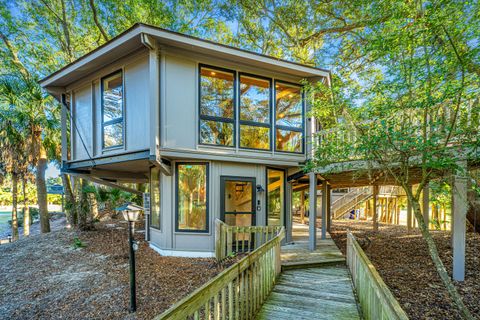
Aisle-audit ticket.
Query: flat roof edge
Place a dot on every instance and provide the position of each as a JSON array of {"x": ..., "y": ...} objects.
[{"x": 180, "y": 38}]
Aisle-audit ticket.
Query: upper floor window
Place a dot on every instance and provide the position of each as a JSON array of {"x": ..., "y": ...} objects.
[
  {"x": 217, "y": 106},
  {"x": 255, "y": 114},
  {"x": 112, "y": 110},
  {"x": 257, "y": 127},
  {"x": 288, "y": 117}
]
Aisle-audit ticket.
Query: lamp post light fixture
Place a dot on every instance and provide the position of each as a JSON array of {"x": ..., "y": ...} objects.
[{"x": 130, "y": 213}]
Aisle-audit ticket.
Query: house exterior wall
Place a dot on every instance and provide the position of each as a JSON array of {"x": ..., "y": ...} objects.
[
  {"x": 180, "y": 113},
  {"x": 86, "y": 108},
  {"x": 167, "y": 239}
]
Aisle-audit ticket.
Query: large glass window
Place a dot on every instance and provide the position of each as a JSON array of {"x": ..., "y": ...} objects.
[
  {"x": 275, "y": 197},
  {"x": 155, "y": 197},
  {"x": 217, "y": 107},
  {"x": 112, "y": 110},
  {"x": 255, "y": 122},
  {"x": 192, "y": 195},
  {"x": 288, "y": 117}
]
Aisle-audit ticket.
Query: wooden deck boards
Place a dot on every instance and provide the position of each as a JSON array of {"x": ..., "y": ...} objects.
[
  {"x": 313, "y": 293},
  {"x": 297, "y": 253},
  {"x": 313, "y": 284}
]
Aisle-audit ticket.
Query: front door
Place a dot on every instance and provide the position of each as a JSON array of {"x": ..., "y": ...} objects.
[{"x": 238, "y": 205}]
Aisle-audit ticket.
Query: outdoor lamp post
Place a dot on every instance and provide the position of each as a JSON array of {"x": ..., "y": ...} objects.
[{"x": 130, "y": 213}]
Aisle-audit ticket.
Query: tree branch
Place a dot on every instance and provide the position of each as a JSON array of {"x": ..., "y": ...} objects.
[{"x": 97, "y": 23}]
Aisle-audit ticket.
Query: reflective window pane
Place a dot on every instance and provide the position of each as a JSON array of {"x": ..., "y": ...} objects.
[
  {"x": 216, "y": 93},
  {"x": 113, "y": 135},
  {"x": 288, "y": 105},
  {"x": 112, "y": 97},
  {"x": 216, "y": 132},
  {"x": 290, "y": 141},
  {"x": 192, "y": 197},
  {"x": 254, "y": 99},
  {"x": 275, "y": 196},
  {"x": 155, "y": 197},
  {"x": 238, "y": 196},
  {"x": 254, "y": 137}
]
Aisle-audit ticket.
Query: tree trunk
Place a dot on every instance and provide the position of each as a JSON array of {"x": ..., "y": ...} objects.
[
  {"x": 42, "y": 191},
  {"x": 84, "y": 214},
  {"x": 26, "y": 210},
  {"x": 14, "y": 206},
  {"x": 439, "y": 266},
  {"x": 70, "y": 205}
]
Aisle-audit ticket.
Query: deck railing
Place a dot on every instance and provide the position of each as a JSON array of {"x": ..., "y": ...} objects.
[
  {"x": 236, "y": 293},
  {"x": 232, "y": 239},
  {"x": 376, "y": 300}
]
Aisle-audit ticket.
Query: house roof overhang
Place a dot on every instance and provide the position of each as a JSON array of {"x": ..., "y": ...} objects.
[{"x": 131, "y": 40}]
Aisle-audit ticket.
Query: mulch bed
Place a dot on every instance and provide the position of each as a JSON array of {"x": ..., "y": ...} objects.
[
  {"x": 402, "y": 260},
  {"x": 45, "y": 277}
]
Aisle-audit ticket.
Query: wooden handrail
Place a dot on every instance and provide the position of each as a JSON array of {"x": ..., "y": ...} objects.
[
  {"x": 230, "y": 240},
  {"x": 236, "y": 293},
  {"x": 376, "y": 300}
]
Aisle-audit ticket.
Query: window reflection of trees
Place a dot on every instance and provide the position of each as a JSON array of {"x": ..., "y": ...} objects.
[
  {"x": 112, "y": 109},
  {"x": 255, "y": 120},
  {"x": 289, "y": 118},
  {"x": 217, "y": 107},
  {"x": 192, "y": 197}
]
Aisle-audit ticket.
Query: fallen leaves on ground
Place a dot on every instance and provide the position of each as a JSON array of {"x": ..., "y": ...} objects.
[
  {"x": 403, "y": 261},
  {"x": 45, "y": 276}
]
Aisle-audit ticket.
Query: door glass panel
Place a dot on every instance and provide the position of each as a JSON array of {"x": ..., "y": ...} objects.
[
  {"x": 275, "y": 197},
  {"x": 238, "y": 196}
]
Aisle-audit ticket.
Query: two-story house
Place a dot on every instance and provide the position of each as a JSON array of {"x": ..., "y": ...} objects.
[{"x": 213, "y": 129}]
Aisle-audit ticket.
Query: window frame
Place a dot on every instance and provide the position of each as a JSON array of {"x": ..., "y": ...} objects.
[
  {"x": 151, "y": 225},
  {"x": 207, "y": 202},
  {"x": 215, "y": 118},
  {"x": 301, "y": 130},
  {"x": 254, "y": 123},
  {"x": 114, "y": 121},
  {"x": 285, "y": 177}
]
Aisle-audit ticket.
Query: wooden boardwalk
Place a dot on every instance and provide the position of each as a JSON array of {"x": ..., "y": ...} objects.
[
  {"x": 297, "y": 253},
  {"x": 313, "y": 285}
]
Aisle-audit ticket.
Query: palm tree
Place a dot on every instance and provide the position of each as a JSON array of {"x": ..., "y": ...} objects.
[{"x": 12, "y": 142}]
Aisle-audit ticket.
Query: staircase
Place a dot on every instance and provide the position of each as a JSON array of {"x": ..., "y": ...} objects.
[
  {"x": 357, "y": 196},
  {"x": 350, "y": 200}
]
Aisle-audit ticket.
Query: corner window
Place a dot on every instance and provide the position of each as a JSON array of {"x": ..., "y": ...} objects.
[
  {"x": 288, "y": 118},
  {"x": 217, "y": 106},
  {"x": 155, "y": 197},
  {"x": 112, "y": 110},
  {"x": 192, "y": 197},
  {"x": 255, "y": 112}
]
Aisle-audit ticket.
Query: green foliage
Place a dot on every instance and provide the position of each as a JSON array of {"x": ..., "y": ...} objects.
[{"x": 78, "y": 244}]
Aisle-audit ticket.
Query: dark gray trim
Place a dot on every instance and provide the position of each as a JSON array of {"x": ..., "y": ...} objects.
[
  {"x": 207, "y": 205},
  {"x": 281, "y": 127},
  {"x": 214, "y": 118},
  {"x": 254, "y": 123},
  {"x": 117, "y": 120},
  {"x": 124, "y": 157},
  {"x": 223, "y": 179},
  {"x": 151, "y": 225},
  {"x": 284, "y": 194}
]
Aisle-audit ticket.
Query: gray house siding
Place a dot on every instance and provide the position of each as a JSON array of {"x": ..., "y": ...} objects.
[
  {"x": 86, "y": 122},
  {"x": 179, "y": 116},
  {"x": 167, "y": 239}
]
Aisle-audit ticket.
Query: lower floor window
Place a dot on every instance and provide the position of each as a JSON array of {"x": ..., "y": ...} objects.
[
  {"x": 191, "y": 197},
  {"x": 155, "y": 197}
]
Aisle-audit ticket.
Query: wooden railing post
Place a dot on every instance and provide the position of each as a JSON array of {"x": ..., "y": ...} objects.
[{"x": 376, "y": 300}]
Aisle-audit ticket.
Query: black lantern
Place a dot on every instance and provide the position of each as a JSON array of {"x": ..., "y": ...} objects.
[{"x": 130, "y": 213}]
